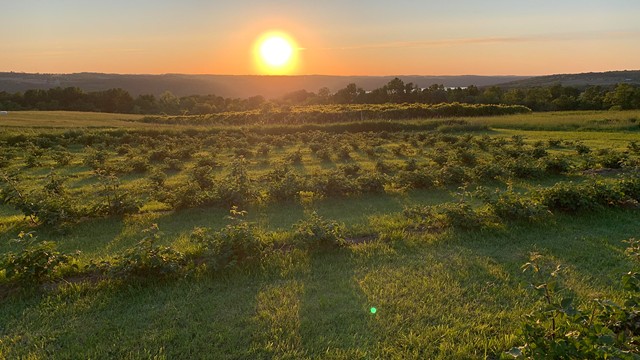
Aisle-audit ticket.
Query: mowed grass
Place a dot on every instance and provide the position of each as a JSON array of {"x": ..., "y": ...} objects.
[
  {"x": 66, "y": 119},
  {"x": 448, "y": 295},
  {"x": 627, "y": 120},
  {"x": 455, "y": 295}
]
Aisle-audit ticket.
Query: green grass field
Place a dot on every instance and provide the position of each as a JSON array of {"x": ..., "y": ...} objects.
[
  {"x": 65, "y": 119},
  {"x": 444, "y": 294}
]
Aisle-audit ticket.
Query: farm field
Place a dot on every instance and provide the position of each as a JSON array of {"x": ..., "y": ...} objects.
[{"x": 337, "y": 240}]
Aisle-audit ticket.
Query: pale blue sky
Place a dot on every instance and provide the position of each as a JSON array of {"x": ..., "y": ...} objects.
[{"x": 338, "y": 37}]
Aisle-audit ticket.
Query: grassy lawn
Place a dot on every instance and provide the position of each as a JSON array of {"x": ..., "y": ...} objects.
[
  {"x": 456, "y": 295},
  {"x": 443, "y": 294},
  {"x": 65, "y": 119}
]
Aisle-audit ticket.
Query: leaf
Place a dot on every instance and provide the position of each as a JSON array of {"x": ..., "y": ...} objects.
[{"x": 516, "y": 352}]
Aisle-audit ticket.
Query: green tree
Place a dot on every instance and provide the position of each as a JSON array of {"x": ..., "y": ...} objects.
[
  {"x": 624, "y": 96},
  {"x": 169, "y": 103}
]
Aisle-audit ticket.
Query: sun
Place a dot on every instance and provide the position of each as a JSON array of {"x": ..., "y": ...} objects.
[{"x": 275, "y": 53}]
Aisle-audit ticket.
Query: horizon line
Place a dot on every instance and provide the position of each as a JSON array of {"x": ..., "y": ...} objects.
[{"x": 302, "y": 75}]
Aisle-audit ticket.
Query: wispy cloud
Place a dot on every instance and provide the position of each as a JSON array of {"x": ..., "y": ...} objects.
[
  {"x": 73, "y": 52},
  {"x": 491, "y": 40}
]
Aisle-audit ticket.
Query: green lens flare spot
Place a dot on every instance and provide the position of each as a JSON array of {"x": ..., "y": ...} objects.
[{"x": 374, "y": 310}]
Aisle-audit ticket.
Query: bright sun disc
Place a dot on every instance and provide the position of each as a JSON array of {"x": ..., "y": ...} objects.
[{"x": 275, "y": 53}]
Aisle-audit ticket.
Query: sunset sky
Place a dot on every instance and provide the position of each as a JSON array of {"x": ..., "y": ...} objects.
[{"x": 492, "y": 37}]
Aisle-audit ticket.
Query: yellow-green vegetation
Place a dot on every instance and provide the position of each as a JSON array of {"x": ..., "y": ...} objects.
[
  {"x": 65, "y": 119},
  {"x": 279, "y": 241}
]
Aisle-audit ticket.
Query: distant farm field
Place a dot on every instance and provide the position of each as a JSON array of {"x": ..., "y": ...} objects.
[
  {"x": 359, "y": 239},
  {"x": 65, "y": 119}
]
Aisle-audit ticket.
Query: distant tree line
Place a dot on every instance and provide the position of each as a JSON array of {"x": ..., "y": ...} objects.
[
  {"x": 551, "y": 98},
  {"x": 120, "y": 101}
]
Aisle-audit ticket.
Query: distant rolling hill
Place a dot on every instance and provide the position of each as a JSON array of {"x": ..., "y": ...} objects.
[
  {"x": 608, "y": 78},
  {"x": 227, "y": 85}
]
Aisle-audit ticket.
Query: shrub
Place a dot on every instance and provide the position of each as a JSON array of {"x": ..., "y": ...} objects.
[
  {"x": 323, "y": 154},
  {"x": 554, "y": 143},
  {"x": 383, "y": 167},
  {"x": 487, "y": 171},
  {"x": 95, "y": 159},
  {"x": 62, "y": 157},
  {"x": 417, "y": 179},
  {"x": 538, "y": 152},
  {"x": 582, "y": 149},
  {"x": 423, "y": 218},
  {"x": 567, "y": 197},
  {"x": 138, "y": 164},
  {"x": 605, "y": 193},
  {"x": 238, "y": 242},
  {"x": 350, "y": 170},
  {"x": 451, "y": 175},
  {"x": 264, "y": 150},
  {"x": 630, "y": 186},
  {"x": 237, "y": 187},
  {"x": 173, "y": 164},
  {"x": 36, "y": 262},
  {"x": 115, "y": 201},
  {"x": 334, "y": 184},
  {"x": 557, "y": 165},
  {"x": 159, "y": 154},
  {"x": 371, "y": 183},
  {"x": 49, "y": 206},
  {"x": 612, "y": 160},
  {"x": 147, "y": 258},
  {"x": 203, "y": 176},
  {"x": 524, "y": 168},
  {"x": 283, "y": 184},
  {"x": 294, "y": 157},
  {"x": 509, "y": 205},
  {"x": 466, "y": 157},
  {"x": 317, "y": 232},
  {"x": 559, "y": 329},
  {"x": 572, "y": 197},
  {"x": 459, "y": 215}
]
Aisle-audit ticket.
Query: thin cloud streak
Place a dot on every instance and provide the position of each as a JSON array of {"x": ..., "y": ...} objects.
[
  {"x": 76, "y": 52},
  {"x": 489, "y": 40}
]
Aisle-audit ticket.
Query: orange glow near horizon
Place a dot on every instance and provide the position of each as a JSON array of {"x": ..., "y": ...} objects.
[
  {"x": 275, "y": 53},
  {"x": 373, "y": 38}
]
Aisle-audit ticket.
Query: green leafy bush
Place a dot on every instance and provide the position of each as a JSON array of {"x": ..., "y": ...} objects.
[
  {"x": 35, "y": 262},
  {"x": 203, "y": 176},
  {"x": 561, "y": 329},
  {"x": 115, "y": 200},
  {"x": 451, "y": 175},
  {"x": 95, "y": 158},
  {"x": 524, "y": 168},
  {"x": 557, "y": 164},
  {"x": 509, "y": 205},
  {"x": 50, "y": 206},
  {"x": 146, "y": 259},
  {"x": 317, "y": 232},
  {"x": 567, "y": 197},
  {"x": 61, "y": 157},
  {"x": 283, "y": 184},
  {"x": 238, "y": 242},
  {"x": 458, "y": 215},
  {"x": 237, "y": 188}
]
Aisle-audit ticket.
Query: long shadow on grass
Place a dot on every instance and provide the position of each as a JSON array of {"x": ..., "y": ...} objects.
[
  {"x": 436, "y": 301},
  {"x": 591, "y": 244},
  {"x": 334, "y": 312},
  {"x": 206, "y": 318}
]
